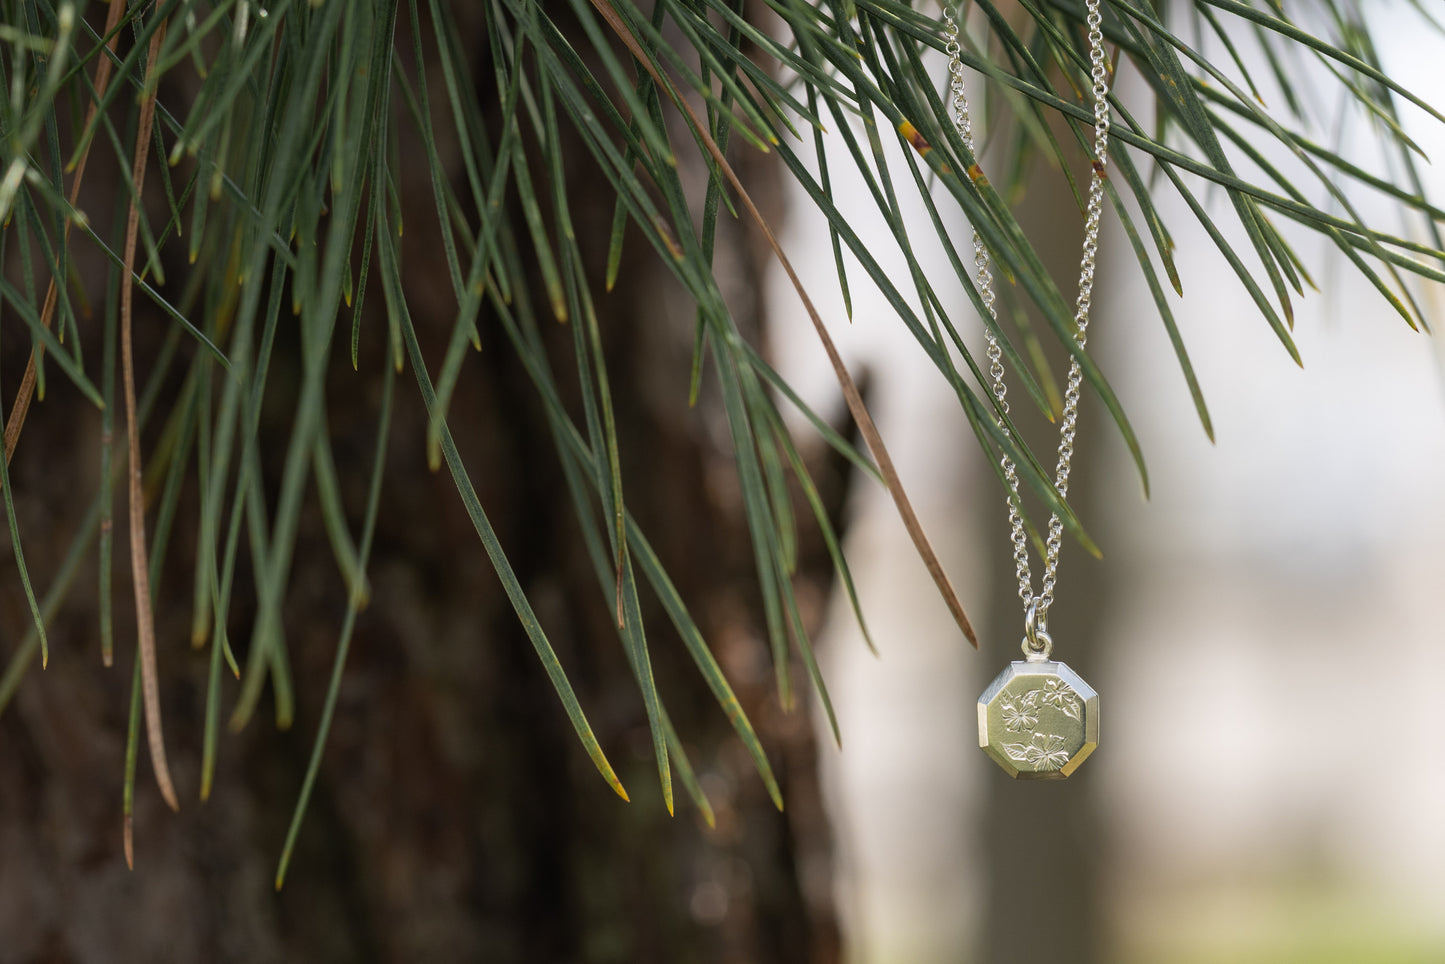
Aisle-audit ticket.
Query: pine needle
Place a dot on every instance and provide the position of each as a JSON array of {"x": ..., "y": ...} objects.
[{"x": 145, "y": 618}]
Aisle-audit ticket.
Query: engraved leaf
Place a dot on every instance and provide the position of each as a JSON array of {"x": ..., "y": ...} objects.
[{"x": 1017, "y": 752}]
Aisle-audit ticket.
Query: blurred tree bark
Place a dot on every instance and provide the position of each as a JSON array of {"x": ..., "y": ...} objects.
[{"x": 456, "y": 817}]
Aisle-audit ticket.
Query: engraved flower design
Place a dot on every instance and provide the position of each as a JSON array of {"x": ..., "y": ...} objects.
[
  {"x": 1059, "y": 694},
  {"x": 1022, "y": 713},
  {"x": 1044, "y": 752}
]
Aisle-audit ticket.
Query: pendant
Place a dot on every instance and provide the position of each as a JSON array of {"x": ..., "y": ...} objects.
[{"x": 1038, "y": 719}]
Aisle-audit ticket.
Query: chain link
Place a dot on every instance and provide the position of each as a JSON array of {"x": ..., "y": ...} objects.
[{"x": 1037, "y": 607}]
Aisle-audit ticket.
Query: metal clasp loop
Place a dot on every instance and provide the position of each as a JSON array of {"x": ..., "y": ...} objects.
[{"x": 1037, "y": 644}]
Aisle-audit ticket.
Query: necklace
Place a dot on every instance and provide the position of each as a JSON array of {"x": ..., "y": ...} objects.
[{"x": 1038, "y": 719}]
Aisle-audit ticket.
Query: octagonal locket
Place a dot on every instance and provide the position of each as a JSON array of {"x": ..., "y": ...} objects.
[{"x": 1039, "y": 720}]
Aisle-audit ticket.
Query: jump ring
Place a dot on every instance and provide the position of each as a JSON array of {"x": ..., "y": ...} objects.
[{"x": 1037, "y": 644}]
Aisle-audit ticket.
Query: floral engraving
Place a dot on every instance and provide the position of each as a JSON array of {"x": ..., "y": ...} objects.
[
  {"x": 1043, "y": 752},
  {"x": 1021, "y": 713},
  {"x": 1040, "y": 718},
  {"x": 1058, "y": 694}
]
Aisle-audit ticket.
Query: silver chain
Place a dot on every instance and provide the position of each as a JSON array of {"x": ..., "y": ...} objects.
[{"x": 1036, "y": 608}]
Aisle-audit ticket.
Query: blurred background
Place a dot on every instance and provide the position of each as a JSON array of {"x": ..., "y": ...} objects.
[{"x": 1263, "y": 629}]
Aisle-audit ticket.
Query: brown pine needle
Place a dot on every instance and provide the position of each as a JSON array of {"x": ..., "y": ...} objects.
[
  {"x": 620, "y": 621},
  {"x": 140, "y": 576},
  {"x": 26, "y": 392},
  {"x": 856, "y": 407}
]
